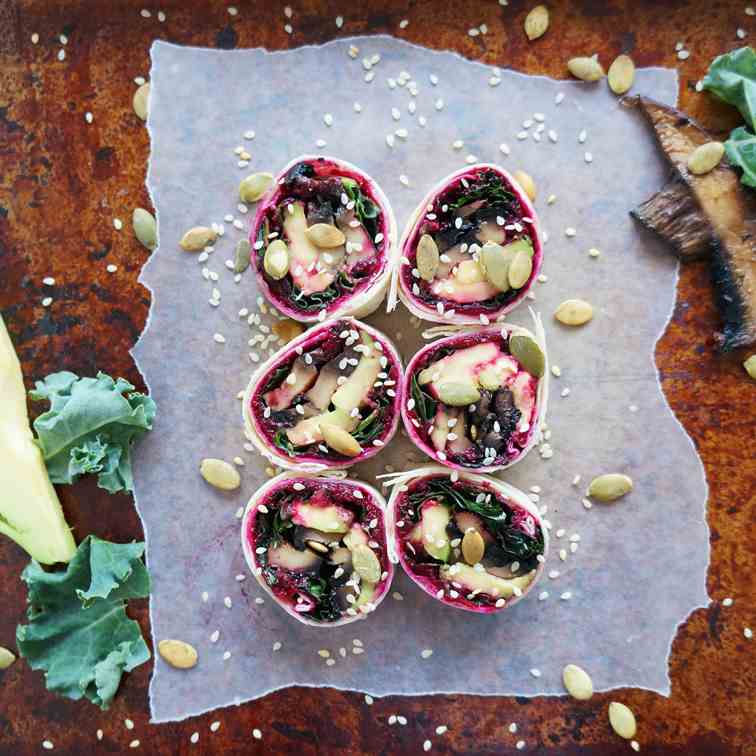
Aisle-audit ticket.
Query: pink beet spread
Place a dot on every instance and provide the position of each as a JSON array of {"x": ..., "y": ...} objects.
[
  {"x": 420, "y": 430},
  {"x": 519, "y": 223},
  {"x": 424, "y": 570},
  {"x": 292, "y": 588},
  {"x": 323, "y": 190}
]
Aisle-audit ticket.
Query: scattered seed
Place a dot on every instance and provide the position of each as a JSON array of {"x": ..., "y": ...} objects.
[
  {"x": 574, "y": 312},
  {"x": 586, "y": 69},
  {"x": 621, "y": 74},
  {"x": 537, "y": 22},
  {"x": 141, "y": 101},
  {"x": 750, "y": 366},
  {"x": 473, "y": 547},
  {"x": 705, "y": 158},
  {"x": 577, "y": 682},
  {"x": 622, "y": 720},
  {"x": 427, "y": 257},
  {"x": 178, "y": 654},
  {"x": 145, "y": 227},
  {"x": 254, "y": 186},
  {"x": 609, "y": 487},
  {"x": 6, "y": 658},
  {"x": 197, "y": 238},
  {"x": 220, "y": 474}
]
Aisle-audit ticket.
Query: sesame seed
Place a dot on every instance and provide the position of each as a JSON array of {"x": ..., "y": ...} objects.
[
  {"x": 339, "y": 22},
  {"x": 145, "y": 13},
  {"x": 439, "y": 104},
  {"x": 593, "y": 252},
  {"x": 635, "y": 745},
  {"x": 427, "y": 745},
  {"x": 513, "y": 728},
  {"x": 161, "y": 17},
  {"x": 747, "y": 633},
  {"x": 226, "y": 655},
  {"x": 256, "y": 734},
  {"x": 35, "y": 38},
  {"x": 727, "y": 602},
  {"x": 559, "y": 97},
  {"x": 232, "y": 10},
  {"x": 570, "y": 232},
  {"x": 88, "y": 117},
  {"x": 112, "y": 268},
  {"x": 129, "y": 724},
  {"x": 741, "y": 33},
  {"x": 47, "y": 745},
  {"x": 683, "y": 54},
  {"x": 134, "y": 744},
  {"x": 588, "y": 157},
  {"x": 566, "y": 596},
  {"x": 426, "y": 653},
  {"x": 582, "y": 136},
  {"x": 100, "y": 734},
  {"x": 328, "y": 119},
  {"x": 194, "y": 738},
  {"x": 47, "y": 301},
  {"x": 227, "y": 602},
  {"x": 403, "y": 180},
  {"x": 543, "y": 595},
  {"x": 554, "y": 574},
  {"x": 520, "y": 745}
]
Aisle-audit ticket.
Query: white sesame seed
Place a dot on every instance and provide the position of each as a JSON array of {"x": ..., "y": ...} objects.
[
  {"x": 439, "y": 105},
  {"x": 535, "y": 672},
  {"x": 161, "y": 17},
  {"x": 129, "y": 724},
  {"x": 588, "y": 157},
  {"x": 570, "y": 232},
  {"x": 61, "y": 55},
  {"x": 339, "y": 22},
  {"x": 566, "y": 596},
  {"x": 727, "y": 602},
  {"x": 747, "y": 633},
  {"x": 513, "y": 728},
  {"x": 134, "y": 744},
  {"x": 520, "y": 745},
  {"x": 427, "y": 745},
  {"x": 226, "y": 655},
  {"x": 741, "y": 33},
  {"x": 35, "y": 38},
  {"x": 256, "y": 734},
  {"x": 88, "y": 117},
  {"x": 426, "y": 653},
  {"x": 543, "y": 595},
  {"x": 47, "y": 745},
  {"x": 683, "y": 54},
  {"x": 194, "y": 738},
  {"x": 145, "y": 13},
  {"x": 47, "y": 301},
  {"x": 232, "y": 10}
]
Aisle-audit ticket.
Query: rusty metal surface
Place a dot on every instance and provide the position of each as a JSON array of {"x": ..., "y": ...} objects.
[{"x": 63, "y": 180}]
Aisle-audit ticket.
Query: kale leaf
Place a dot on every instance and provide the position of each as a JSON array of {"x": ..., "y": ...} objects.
[{"x": 425, "y": 405}]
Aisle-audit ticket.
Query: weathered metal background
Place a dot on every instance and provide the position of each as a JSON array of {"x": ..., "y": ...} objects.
[{"x": 63, "y": 180}]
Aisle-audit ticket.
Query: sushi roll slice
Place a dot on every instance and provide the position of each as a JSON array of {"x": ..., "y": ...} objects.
[
  {"x": 327, "y": 399},
  {"x": 318, "y": 546},
  {"x": 470, "y": 251},
  {"x": 475, "y": 400},
  {"x": 322, "y": 240},
  {"x": 470, "y": 541}
]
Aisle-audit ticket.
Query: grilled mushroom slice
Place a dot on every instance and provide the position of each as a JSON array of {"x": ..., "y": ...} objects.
[
  {"x": 318, "y": 546},
  {"x": 322, "y": 240},
  {"x": 471, "y": 542},
  {"x": 475, "y": 400},
  {"x": 471, "y": 249},
  {"x": 327, "y": 399},
  {"x": 723, "y": 204}
]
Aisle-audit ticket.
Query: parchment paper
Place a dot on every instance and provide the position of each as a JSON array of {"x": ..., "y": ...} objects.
[{"x": 641, "y": 563}]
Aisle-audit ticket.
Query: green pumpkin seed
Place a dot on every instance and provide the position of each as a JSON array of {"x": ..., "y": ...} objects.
[
  {"x": 610, "y": 486},
  {"x": 750, "y": 366},
  {"x": 145, "y": 227},
  {"x": 197, "y": 238},
  {"x": 527, "y": 352},
  {"x": 220, "y": 474},
  {"x": 178, "y": 654},
  {"x": 520, "y": 269},
  {"x": 456, "y": 394},
  {"x": 705, "y": 158},
  {"x": 6, "y": 658},
  {"x": 254, "y": 186},
  {"x": 574, "y": 312},
  {"x": 577, "y": 682},
  {"x": 325, "y": 236},
  {"x": 587, "y": 69},
  {"x": 537, "y": 22},
  {"x": 473, "y": 547},
  {"x": 276, "y": 260},
  {"x": 241, "y": 255},
  {"x": 495, "y": 260},
  {"x": 622, "y": 720},
  {"x": 366, "y": 563},
  {"x": 621, "y": 74},
  {"x": 427, "y": 257},
  {"x": 141, "y": 101}
]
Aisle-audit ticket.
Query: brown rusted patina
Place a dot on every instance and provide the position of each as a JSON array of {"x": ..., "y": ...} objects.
[{"x": 63, "y": 180}]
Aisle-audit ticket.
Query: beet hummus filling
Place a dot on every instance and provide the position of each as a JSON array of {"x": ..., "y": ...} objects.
[
  {"x": 322, "y": 236},
  {"x": 466, "y": 542},
  {"x": 472, "y": 401},
  {"x": 319, "y": 546},
  {"x": 473, "y": 249},
  {"x": 331, "y": 398}
]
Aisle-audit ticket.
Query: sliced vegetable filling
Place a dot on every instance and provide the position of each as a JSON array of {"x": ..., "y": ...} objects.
[
  {"x": 472, "y": 250},
  {"x": 323, "y": 237},
  {"x": 472, "y": 400},
  {"x": 320, "y": 546},
  {"x": 466, "y": 543},
  {"x": 334, "y": 398}
]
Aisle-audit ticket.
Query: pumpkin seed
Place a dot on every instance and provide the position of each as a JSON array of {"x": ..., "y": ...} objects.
[
  {"x": 141, "y": 101},
  {"x": 496, "y": 260},
  {"x": 197, "y": 238},
  {"x": 574, "y": 312},
  {"x": 287, "y": 329},
  {"x": 621, "y": 74},
  {"x": 537, "y": 22},
  {"x": 339, "y": 440},
  {"x": 276, "y": 260},
  {"x": 587, "y": 69},
  {"x": 526, "y": 182},
  {"x": 178, "y": 653},
  {"x": 254, "y": 186},
  {"x": 577, "y": 682},
  {"x": 241, "y": 255},
  {"x": 473, "y": 547},
  {"x": 520, "y": 269},
  {"x": 427, "y": 257},
  {"x": 705, "y": 158},
  {"x": 527, "y": 352},
  {"x": 750, "y": 366},
  {"x": 325, "y": 235},
  {"x": 321, "y": 548},
  {"x": 622, "y": 720},
  {"x": 220, "y": 474},
  {"x": 610, "y": 486},
  {"x": 6, "y": 658},
  {"x": 457, "y": 394},
  {"x": 145, "y": 227},
  {"x": 366, "y": 563}
]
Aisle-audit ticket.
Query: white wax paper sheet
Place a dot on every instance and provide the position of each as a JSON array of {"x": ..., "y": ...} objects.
[{"x": 641, "y": 563}]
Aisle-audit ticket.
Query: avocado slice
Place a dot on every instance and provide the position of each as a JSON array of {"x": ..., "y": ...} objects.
[
  {"x": 286, "y": 556},
  {"x": 355, "y": 537},
  {"x": 30, "y": 512},
  {"x": 434, "y": 519},
  {"x": 327, "y": 382},
  {"x": 299, "y": 379},
  {"x": 459, "y": 366},
  {"x": 303, "y": 254},
  {"x": 367, "y": 592},
  {"x": 308, "y": 431},
  {"x": 483, "y": 582},
  {"x": 440, "y": 429},
  {"x": 494, "y": 376},
  {"x": 330, "y": 519},
  {"x": 358, "y": 242},
  {"x": 353, "y": 392}
]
